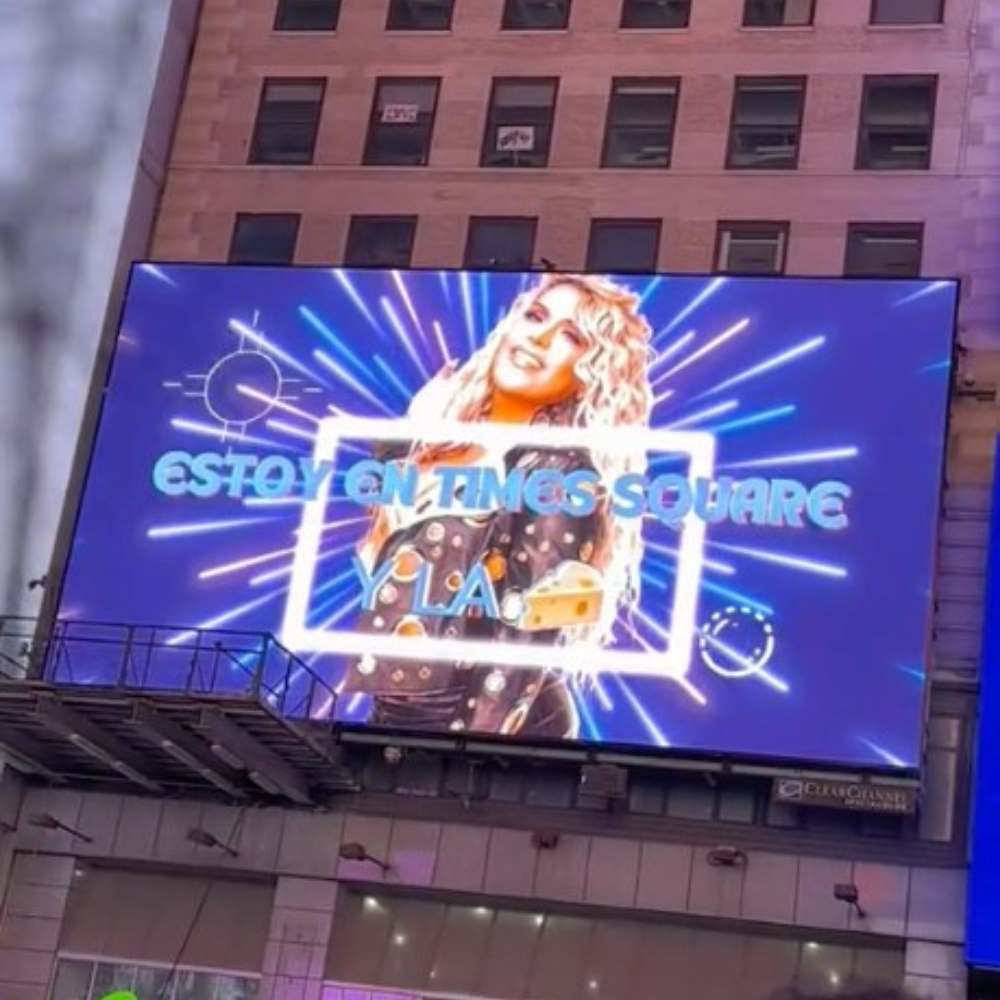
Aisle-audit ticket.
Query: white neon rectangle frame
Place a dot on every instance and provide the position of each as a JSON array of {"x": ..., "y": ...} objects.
[{"x": 581, "y": 657}]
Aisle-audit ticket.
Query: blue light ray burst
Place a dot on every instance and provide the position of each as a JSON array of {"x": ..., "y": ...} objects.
[
  {"x": 700, "y": 299},
  {"x": 753, "y": 419},
  {"x": 887, "y": 755},
  {"x": 337, "y": 343},
  {"x": 394, "y": 380},
  {"x": 768, "y": 365},
  {"x": 352, "y": 293},
  {"x": 203, "y": 527},
  {"x": 155, "y": 272}
]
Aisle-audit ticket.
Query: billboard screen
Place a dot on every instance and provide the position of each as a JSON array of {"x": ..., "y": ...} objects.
[{"x": 693, "y": 513}]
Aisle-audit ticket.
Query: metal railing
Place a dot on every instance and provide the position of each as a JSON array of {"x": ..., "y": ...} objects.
[{"x": 159, "y": 658}]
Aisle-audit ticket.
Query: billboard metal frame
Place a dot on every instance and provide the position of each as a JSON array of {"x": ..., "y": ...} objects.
[{"x": 578, "y": 750}]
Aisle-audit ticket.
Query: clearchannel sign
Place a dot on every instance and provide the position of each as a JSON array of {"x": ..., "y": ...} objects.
[{"x": 690, "y": 514}]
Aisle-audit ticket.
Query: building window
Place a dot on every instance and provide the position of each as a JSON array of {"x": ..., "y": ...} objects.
[
  {"x": 751, "y": 247},
  {"x": 777, "y": 13},
  {"x": 502, "y": 244},
  {"x": 537, "y": 15},
  {"x": 380, "y": 241},
  {"x": 641, "y": 117},
  {"x": 907, "y": 11},
  {"x": 287, "y": 121},
  {"x": 656, "y": 13},
  {"x": 420, "y": 15},
  {"x": 307, "y": 15},
  {"x": 767, "y": 121},
  {"x": 264, "y": 238},
  {"x": 897, "y": 122},
  {"x": 519, "y": 124},
  {"x": 618, "y": 246},
  {"x": 402, "y": 122},
  {"x": 78, "y": 978},
  {"x": 884, "y": 250}
]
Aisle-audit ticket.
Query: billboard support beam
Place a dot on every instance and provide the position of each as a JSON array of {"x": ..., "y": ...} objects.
[
  {"x": 183, "y": 746},
  {"x": 90, "y": 738},
  {"x": 264, "y": 768},
  {"x": 23, "y": 754}
]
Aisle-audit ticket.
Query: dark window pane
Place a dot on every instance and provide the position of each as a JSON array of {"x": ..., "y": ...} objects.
[
  {"x": 307, "y": 15},
  {"x": 620, "y": 245},
  {"x": 519, "y": 124},
  {"x": 937, "y": 808},
  {"x": 907, "y": 11},
  {"x": 402, "y": 122},
  {"x": 690, "y": 799},
  {"x": 767, "y": 117},
  {"x": 506, "y": 244},
  {"x": 194, "y": 986},
  {"x": 111, "y": 977},
  {"x": 896, "y": 122},
  {"x": 420, "y": 15},
  {"x": 646, "y": 794},
  {"x": 656, "y": 13},
  {"x": 751, "y": 247},
  {"x": 380, "y": 241},
  {"x": 153, "y": 983},
  {"x": 264, "y": 239},
  {"x": 891, "y": 251},
  {"x": 72, "y": 980},
  {"x": 535, "y": 14},
  {"x": 737, "y": 804},
  {"x": 287, "y": 121},
  {"x": 777, "y": 13},
  {"x": 640, "y": 123}
]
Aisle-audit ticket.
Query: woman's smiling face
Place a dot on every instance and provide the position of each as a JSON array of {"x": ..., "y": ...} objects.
[{"x": 535, "y": 361}]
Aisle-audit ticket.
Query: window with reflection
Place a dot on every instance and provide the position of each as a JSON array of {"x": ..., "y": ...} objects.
[
  {"x": 766, "y": 123},
  {"x": 656, "y": 13},
  {"x": 535, "y": 15},
  {"x": 420, "y": 15},
  {"x": 641, "y": 116},
  {"x": 497, "y": 243},
  {"x": 287, "y": 121},
  {"x": 307, "y": 15},
  {"x": 410, "y": 946},
  {"x": 884, "y": 250},
  {"x": 778, "y": 13},
  {"x": 402, "y": 121},
  {"x": 519, "y": 122},
  {"x": 380, "y": 240},
  {"x": 619, "y": 246},
  {"x": 264, "y": 238},
  {"x": 897, "y": 120},
  {"x": 907, "y": 11},
  {"x": 751, "y": 247},
  {"x": 93, "y": 979}
]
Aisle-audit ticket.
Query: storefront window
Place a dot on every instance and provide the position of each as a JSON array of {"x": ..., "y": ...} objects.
[
  {"x": 92, "y": 979},
  {"x": 388, "y": 946}
]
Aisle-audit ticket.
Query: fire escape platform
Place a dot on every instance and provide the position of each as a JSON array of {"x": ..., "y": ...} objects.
[{"x": 232, "y": 714}]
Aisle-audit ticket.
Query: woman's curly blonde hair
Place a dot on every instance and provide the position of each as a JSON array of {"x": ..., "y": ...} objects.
[{"x": 615, "y": 393}]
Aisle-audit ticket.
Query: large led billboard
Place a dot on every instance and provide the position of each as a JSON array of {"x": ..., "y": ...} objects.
[{"x": 673, "y": 512}]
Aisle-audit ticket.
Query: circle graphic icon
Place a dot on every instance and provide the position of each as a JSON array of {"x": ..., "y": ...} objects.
[
  {"x": 249, "y": 369},
  {"x": 736, "y": 642}
]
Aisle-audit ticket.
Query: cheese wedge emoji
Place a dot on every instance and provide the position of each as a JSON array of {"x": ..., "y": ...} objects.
[{"x": 569, "y": 595}]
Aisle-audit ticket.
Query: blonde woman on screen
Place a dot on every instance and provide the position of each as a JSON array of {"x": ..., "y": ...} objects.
[{"x": 572, "y": 351}]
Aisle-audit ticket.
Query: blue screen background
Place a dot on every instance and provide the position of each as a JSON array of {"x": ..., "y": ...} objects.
[{"x": 859, "y": 369}]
